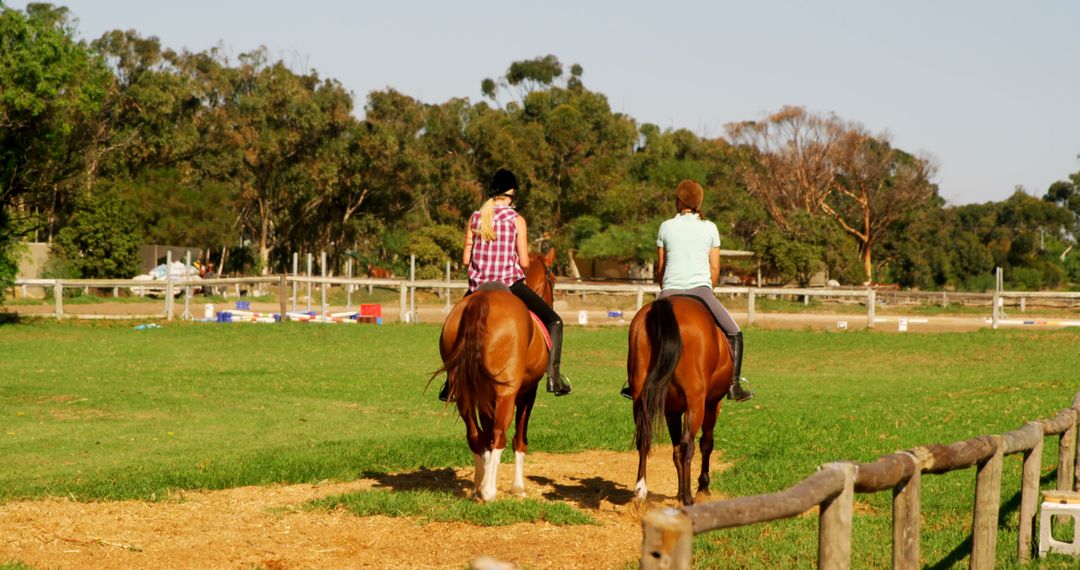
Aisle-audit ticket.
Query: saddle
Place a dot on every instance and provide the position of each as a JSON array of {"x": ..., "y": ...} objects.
[
  {"x": 497, "y": 286},
  {"x": 701, "y": 302}
]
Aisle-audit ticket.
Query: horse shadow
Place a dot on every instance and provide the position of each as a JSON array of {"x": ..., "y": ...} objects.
[
  {"x": 423, "y": 479},
  {"x": 586, "y": 492}
]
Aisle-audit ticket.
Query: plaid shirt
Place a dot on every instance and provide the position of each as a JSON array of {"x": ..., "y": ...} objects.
[{"x": 495, "y": 260}]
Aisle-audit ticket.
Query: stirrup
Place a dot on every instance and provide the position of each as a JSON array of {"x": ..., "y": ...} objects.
[
  {"x": 626, "y": 393},
  {"x": 560, "y": 387},
  {"x": 738, "y": 393}
]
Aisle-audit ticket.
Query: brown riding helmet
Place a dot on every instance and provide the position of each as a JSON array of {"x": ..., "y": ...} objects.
[{"x": 690, "y": 194}]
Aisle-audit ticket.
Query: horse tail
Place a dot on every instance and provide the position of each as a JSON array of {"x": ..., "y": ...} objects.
[
  {"x": 665, "y": 342},
  {"x": 464, "y": 367}
]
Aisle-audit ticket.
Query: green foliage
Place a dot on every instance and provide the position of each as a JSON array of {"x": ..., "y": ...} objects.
[
  {"x": 9, "y": 253},
  {"x": 538, "y": 71},
  {"x": 102, "y": 239},
  {"x": 635, "y": 242},
  {"x": 53, "y": 87},
  {"x": 786, "y": 257},
  {"x": 812, "y": 244},
  {"x": 436, "y": 506}
]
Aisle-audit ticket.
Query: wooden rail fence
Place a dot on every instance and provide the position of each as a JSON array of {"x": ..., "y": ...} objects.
[{"x": 669, "y": 532}]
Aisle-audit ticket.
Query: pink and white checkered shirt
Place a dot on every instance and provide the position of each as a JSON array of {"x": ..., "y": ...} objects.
[{"x": 495, "y": 260}]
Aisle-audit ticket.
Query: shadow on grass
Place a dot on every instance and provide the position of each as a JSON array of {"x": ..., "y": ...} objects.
[
  {"x": 9, "y": 318},
  {"x": 1009, "y": 509},
  {"x": 423, "y": 479}
]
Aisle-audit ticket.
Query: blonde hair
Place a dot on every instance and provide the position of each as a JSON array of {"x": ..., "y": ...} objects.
[{"x": 487, "y": 220}]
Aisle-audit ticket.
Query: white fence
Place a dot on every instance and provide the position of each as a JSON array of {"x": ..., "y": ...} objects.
[{"x": 289, "y": 286}]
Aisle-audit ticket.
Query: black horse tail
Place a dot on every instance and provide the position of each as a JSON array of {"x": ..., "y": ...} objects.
[
  {"x": 665, "y": 342},
  {"x": 464, "y": 366}
]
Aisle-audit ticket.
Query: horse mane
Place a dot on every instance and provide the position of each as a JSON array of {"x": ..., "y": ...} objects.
[{"x": 663, "y": 331}]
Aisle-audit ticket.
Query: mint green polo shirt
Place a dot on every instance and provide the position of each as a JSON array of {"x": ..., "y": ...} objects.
[{"x": 686, "y": 240}]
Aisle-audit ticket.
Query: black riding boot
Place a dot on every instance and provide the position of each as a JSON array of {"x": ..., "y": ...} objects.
[
  {"x": 737, "y": 392},
  {"x": 444, "y": 392},
  {"x": 556, "y": 382}
]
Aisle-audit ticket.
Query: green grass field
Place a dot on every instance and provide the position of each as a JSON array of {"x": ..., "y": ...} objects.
[{"x": 97, "y": 410}]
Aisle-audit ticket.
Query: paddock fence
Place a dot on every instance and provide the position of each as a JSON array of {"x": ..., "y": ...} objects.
[
  {"x": 289, "y": 285},
  {"x": 668, "y": 533}
]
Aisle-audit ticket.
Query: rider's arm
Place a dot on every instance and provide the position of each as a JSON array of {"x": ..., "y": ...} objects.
[
  {"x": 466, "y": 257},
  {"x": 522, "y": 242},
  {"x": 660, "y": 265},
  {"x": 714, "y": 264}
]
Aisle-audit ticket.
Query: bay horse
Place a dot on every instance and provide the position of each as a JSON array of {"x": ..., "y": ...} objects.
[
  {"x": 494, "y": 355},
  {"x": 679, "y": 365}
]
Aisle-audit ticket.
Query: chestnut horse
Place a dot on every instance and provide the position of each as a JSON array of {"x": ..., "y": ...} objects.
[
  {"x": 679, "y": 365},
  {"x": 494, "y": 355}
]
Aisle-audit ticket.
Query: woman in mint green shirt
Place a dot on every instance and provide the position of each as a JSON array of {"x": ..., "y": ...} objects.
[{"x": 688, "y": 263}]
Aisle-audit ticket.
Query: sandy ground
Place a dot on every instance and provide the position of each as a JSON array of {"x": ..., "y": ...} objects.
[{"x": 265, "y": 527}]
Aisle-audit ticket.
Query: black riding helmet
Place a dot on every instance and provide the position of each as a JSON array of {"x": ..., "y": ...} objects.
[{"x": 503, "y": 182}]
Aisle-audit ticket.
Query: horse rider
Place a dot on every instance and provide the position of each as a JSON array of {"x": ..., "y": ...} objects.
[
  {"x": 497, "y": 250},
  {"x": 688, "y": 263}
]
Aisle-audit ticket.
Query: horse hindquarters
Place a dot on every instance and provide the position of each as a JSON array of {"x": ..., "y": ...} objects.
[{"x": 658, "y": 352}]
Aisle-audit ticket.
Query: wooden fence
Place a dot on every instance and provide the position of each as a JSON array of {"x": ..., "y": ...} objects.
[{"x": 669, "y": 532}]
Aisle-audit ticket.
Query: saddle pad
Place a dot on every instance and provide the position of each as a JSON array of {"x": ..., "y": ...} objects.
[{"x": 547, "y": 337}]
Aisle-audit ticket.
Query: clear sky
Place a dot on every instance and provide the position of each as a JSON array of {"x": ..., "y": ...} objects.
[{"x": 990, "y": 89}]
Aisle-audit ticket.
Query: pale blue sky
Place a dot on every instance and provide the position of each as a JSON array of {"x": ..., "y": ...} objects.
[{"x": 990, "y": 89}]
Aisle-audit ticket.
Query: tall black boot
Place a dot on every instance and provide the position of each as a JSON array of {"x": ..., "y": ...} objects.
[
  {"x": 556, "y": 382},
  {"x": 444, "y": 392},
  {"x": 737, "y": 392}
]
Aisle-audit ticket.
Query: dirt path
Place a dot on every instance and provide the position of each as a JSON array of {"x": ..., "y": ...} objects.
[{"x": 265, "y": 527}]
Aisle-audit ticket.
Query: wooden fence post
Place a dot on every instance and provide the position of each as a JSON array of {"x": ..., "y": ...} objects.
[
  {"x": 906, "y": 518},
  {"x": 1029, "y": 498},
  {"x": 168, "y": 286},
  {"x": 58, "y": 298},
  {"x": 640, "y": 297},
  {"x": 750, "y": 298},
  {"x": 283, "y": 294},
  {"x": 871, "y": 300},
  {"x": 668, "y": 535},
  {"x": 1067, "y": 456},
  {"x": 834, "y": 526},
  {"x": 987, "y": 504},
  {"x": 402, "y": 314},
  {"x": 294, "y": 274},
  {"x": 1076, "y": 460}
]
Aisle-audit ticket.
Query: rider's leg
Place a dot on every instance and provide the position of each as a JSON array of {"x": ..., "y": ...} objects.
[
  {"x": 737, "y": 392},
  {"x": 556, "y": 382}
]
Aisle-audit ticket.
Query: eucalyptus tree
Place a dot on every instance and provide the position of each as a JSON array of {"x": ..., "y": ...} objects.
[
  {"x": 51, "y": 91},
  {"x": 264, "y": 126}
]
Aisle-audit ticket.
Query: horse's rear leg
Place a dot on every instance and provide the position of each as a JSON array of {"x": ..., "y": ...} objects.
[
  {"x": 478, "y": 447},
  {"x": 682, "y": 452},
  {"x": 504, "y": 409},
  {"x": 641, "y": 490},
  {"x": 521, "y": 440},
  {"x": 708, "y": 424}
]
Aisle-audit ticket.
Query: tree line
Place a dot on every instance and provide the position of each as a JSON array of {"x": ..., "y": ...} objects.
[{"x": 119, "y": 141}]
